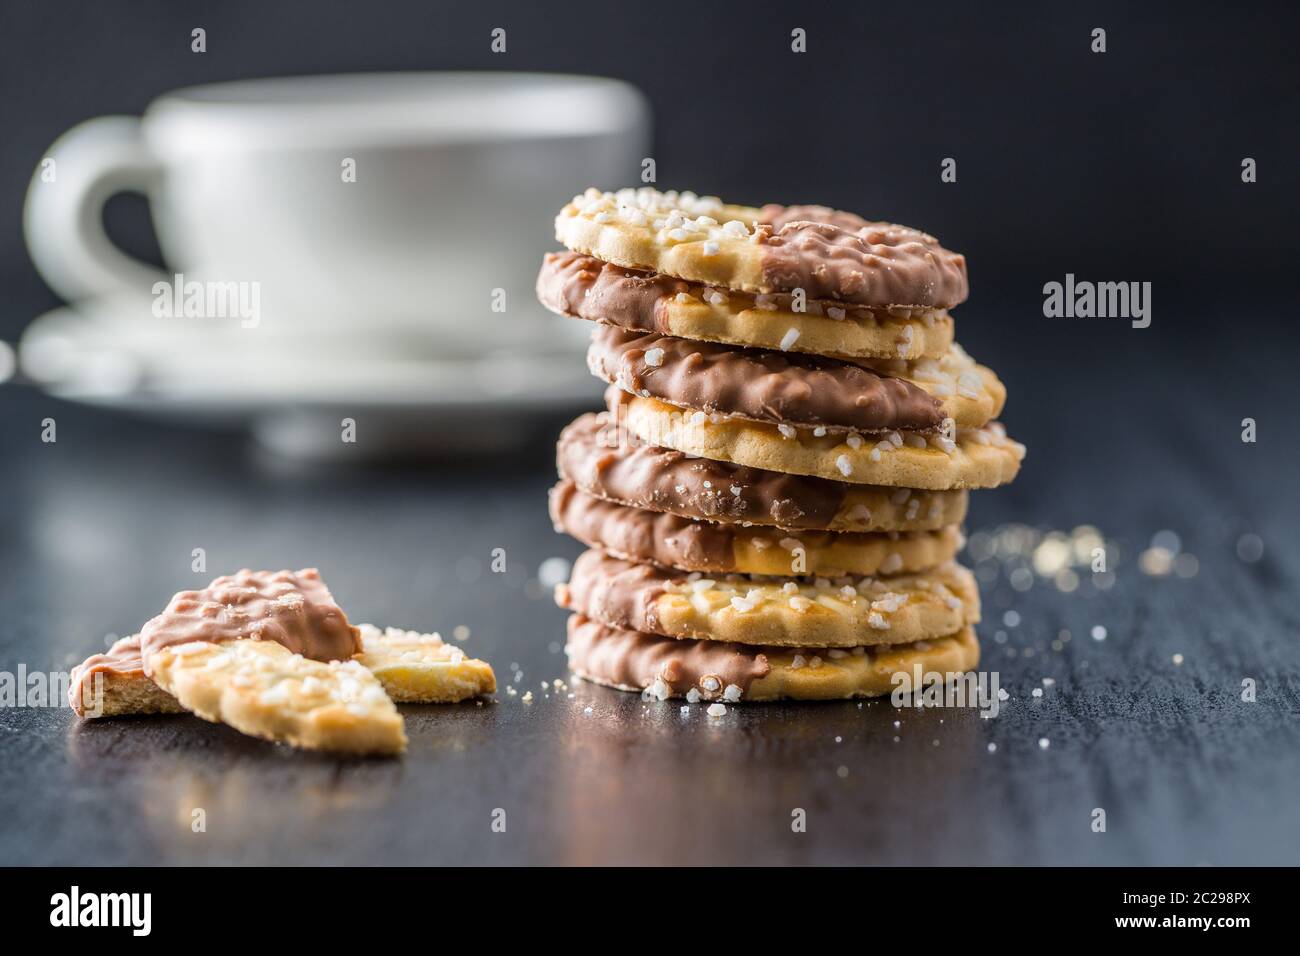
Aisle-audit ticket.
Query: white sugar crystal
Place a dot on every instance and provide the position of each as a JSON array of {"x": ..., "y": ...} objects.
[
  {"x": 279, "y": 694},
  {"x": 654, "y": 357}
]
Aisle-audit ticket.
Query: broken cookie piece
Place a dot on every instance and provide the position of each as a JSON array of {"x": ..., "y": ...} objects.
[
  {"x": 114, "y": 683},
  {"x": 417, "y": 668},
  {"x": 412, "y": 668},
  {"x": 262, "y": 689},
  {"x": 272, "y": 654}
]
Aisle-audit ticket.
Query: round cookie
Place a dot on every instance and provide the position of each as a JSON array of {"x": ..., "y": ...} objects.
[
  {"x": 824, "y": 253},
  {"x": 977, "y": 458},
  {"x": 712, "y": 670},
  {"x": 607, "y": 462},
  {"x": 843, "y": 612},
  {"x": 801, "y": 391},
  {"x": 583, "y": 287},
  {"x": 686, "y": 544}
]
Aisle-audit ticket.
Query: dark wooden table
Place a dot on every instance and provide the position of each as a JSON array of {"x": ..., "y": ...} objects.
[{"x": 1131, "y": 431}]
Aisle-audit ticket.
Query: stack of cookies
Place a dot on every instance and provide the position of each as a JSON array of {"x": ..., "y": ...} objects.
[{"x": 773, "y": 500}]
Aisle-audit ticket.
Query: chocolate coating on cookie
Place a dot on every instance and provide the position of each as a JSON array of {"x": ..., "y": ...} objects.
[
  {"x": 839, "y": 255},
  {"x": 582, "y": 286},
  {"x": 122, "y": 659},
  {"x": 782, "y": 388},
  {"x": 614, "y": 591},
  {"x": 292, "y": 608},
  {"x": 665, "y": 539},
  {"x": 633, "y": 660},
  {"x": 591, "y": 454}
]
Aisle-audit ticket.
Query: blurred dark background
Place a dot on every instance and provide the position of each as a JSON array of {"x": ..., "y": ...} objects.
[{"x": 1119, "y": 166}]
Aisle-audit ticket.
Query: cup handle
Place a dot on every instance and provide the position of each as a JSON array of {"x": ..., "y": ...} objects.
[{"x": 63, "y": 218}]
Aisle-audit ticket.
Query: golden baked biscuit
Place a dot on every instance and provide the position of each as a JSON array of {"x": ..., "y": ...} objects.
[
  {"x": 804, "y": 391},
  {"x": 608, "y": 462},
  {"x": 975, "y": 458},
  {"x": 665, "y": 667},
  {"x": 672, "y": 541},
  {"x": 583, "y": 287},
  {"x": 114, "y": 684},
  {"x": 262, "y": 689},
  {"x": 420, "y": 668},
  {"x": 819, "y": 612},
  {"x": 820, "y": 252}
]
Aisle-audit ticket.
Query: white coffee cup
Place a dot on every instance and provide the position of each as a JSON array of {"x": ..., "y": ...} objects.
[{"x": 394, "y": 211}]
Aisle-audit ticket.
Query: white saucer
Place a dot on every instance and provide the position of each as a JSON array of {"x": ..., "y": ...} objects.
[{"x": 293, "y": 395}]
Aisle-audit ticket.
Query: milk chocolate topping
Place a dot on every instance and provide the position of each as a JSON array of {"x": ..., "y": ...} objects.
[
  {"x": 838, "y": 255},
  {"x": 634, "y": 660},
  {"x": 590, "y": 454},
  {"x": 292, "y": 608},
  {"x": 776, "y": 387},
  {"x": 582, "y": 286},
  {"x": 665, "y": 539},
  {"x": 614, "y": 591},
  {"x": 122, "y": 658}
]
